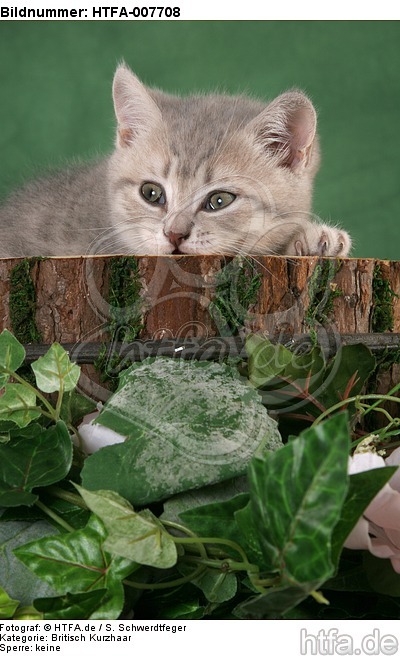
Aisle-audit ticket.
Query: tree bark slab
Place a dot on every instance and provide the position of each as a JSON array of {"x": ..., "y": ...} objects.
[{"x": 81, "y": 300}]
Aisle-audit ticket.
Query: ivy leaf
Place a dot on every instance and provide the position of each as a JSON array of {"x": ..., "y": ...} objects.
[
  {"x": 74, "y": 407},
  {"x": 249, "y": 537},
  {"x": 216, "y": 586},
  {"x": 29, "y": 463},
  {"x": 217, "y": 493},
  {"x": 8, "y": 606},
  {"x": 138, "y": 536},
  {"x": 74, "y": 516},
  {"x": 297, "y": 494},
  {"x": 71, "y": 606},
  {"x": 266, "y": 360},
  {"x": 273, "y": 604},
  {"x": 175, "y": 604},
  {"x": 77, "y": 562},
  {"x": 19, "y": 582},
  {"x": 286, "y": 378},
  {"x": 271, "y": 364},
  {"x": 18, "y": 404},
  {"x": 347, "y": 373},
  {"x": 55, "y": 371},
  {"x": 12, "y": 355},
  {"x": 381, "y": 575},
  {"x": 292, "y": 380},
  {"x": 218, "y": 520},
  {"x": 189, "y": 424}
]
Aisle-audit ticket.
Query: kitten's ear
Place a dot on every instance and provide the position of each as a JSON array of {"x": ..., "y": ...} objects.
[
  {"x": 135, "y": 110},
  {"x": 286, "y": 129}
]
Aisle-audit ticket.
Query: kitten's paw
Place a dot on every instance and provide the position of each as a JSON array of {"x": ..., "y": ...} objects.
[{"x": 321, "y": 240}]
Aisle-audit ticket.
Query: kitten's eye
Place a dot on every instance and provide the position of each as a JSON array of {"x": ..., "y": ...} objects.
[
  {"x": 219, "y": 199},
  {"x": 153, "y": 193}
]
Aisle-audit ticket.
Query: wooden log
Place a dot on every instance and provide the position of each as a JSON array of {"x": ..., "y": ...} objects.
[
  {"x": 86, "y": 300},
  {"x": 202, "y": 296}
]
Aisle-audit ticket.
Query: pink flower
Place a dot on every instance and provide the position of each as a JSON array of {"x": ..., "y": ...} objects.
[{"x": 378, "y": 530}]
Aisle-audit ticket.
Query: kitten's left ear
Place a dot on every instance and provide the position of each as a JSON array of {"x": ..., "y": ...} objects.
[
  {"x": 286, "y": 129},
  {"x": 136, "y": 111}
]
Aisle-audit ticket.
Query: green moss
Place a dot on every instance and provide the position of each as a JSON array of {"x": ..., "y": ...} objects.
[
  {"x": 124, "y": 299},
  {"x": 125, "y": 321},
  {"x": 322, "y": 291},
  {"x": 109, "y": 367},
  {"x": 387, "y": 358},
  {"x": 237, "y": 286},
  {"x": 382, "y": 300},
  {"x": 22, "y": 303}
]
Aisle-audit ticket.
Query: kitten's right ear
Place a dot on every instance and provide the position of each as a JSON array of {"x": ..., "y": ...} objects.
[
  {"x": 136, "y": 111},
  {"x": 286, "y": 130}
]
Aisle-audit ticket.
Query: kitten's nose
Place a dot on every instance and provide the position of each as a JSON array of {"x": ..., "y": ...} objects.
[{"x": 176, "y": 238}]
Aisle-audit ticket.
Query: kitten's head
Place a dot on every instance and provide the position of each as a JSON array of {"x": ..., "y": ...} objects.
[{"x": 209, "y": 173}]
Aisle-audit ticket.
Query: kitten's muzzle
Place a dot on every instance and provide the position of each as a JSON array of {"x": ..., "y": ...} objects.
[{"x": 176, "y": 238}]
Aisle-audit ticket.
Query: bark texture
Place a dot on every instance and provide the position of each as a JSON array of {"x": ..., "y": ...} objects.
[
  {"x": 97, "y": 299},
  {"x": 185, "y": 296}
]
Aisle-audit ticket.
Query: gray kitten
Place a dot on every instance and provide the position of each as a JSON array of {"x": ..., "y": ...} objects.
[{"x": 202, "y": 174}]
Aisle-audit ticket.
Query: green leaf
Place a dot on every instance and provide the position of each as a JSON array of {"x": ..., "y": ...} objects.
[
  {"x": 27, "y": 613},
  {"x": 381, "y": 575},
  {"x": 249, "y": 538},
  {"x": 217, "y": 493},
  {"x": 19, "y": 582},
  {"x": 266, "y": 360},
  {"x": 8, "y": 606},
  {"x": 291, "y": 380},
  {"x": 29, "y": 463},
  {"x": 18, "y": 404},
  {"x": 297, "y": 494},
  {"x": 217, "y": 520},
  {"x": 363, "y": 487},
  {"x": 73, "y": 515},
  {"x": 55, "y": 371},
  {"x": 77, "y": 562},
  {"x": 271, "y": 605},
  {"x": 288, "y": 380},
  {"x": 74, "y": 407},
  {"x": 350, "y": 361},
  {"x": 72, "y": 606},
  {"x": 138, "y": 536},
  {"x": 174, "y": 604},
  {"x": 27, "y": 432},
  {"x": 189, "y": 424},
  {"x": 12, "y": 355},
  {"x": 216, "y": 586}
]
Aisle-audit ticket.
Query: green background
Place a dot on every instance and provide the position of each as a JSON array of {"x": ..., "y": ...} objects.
[{"x": 56, "y": 98}]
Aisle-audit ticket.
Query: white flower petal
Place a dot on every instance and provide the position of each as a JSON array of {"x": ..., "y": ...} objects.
[
  {"x": 364, "y": 461},
  {"x": 359, "y": 538},
  {"x": 394, "y": 536},
  {"x": 394, "y": 461},
  {"x": 382, "y": 549},
  {"x": 384, "y": 509},
  {"x": 90, "y": 417},
  {"x": 396, "y": 563},
  {"x": 94, "y": 437}
]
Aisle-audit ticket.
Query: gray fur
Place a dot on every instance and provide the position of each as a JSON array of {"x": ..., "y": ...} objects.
[{"x": 266, "y": 155}]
